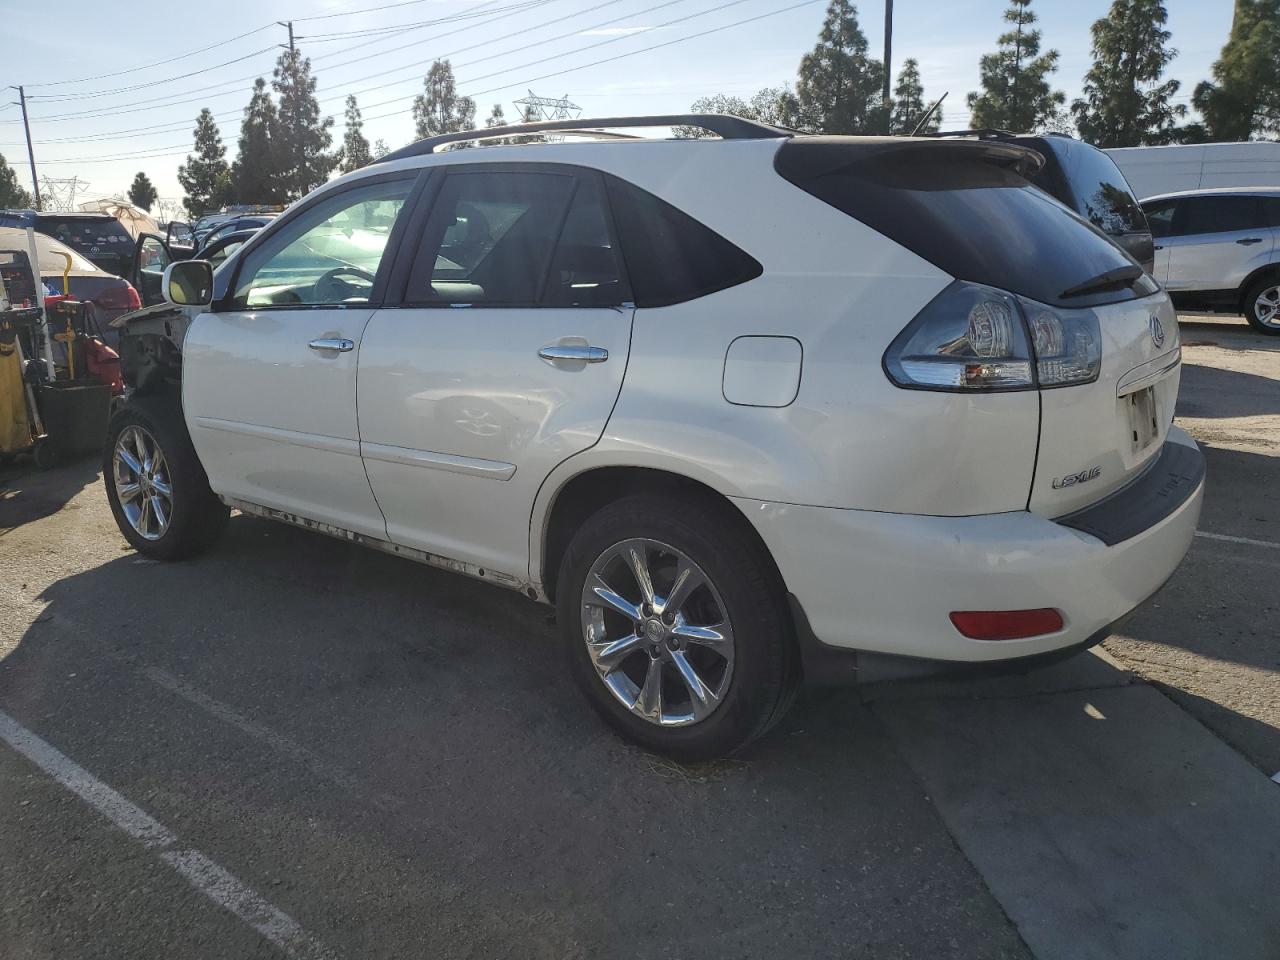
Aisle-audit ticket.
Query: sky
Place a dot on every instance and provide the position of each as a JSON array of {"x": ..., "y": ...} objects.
[{"x": 117, "y": 94}]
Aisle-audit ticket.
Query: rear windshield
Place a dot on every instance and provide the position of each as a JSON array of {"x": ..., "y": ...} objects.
[
  {"x": 92, "y": 236},
  {"x": 958, "y": 205},
  {"x": 1102, "y": 194}
]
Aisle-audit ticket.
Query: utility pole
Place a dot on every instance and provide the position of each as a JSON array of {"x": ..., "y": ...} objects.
[
  {"x": 888, "y": 49},
  {"x": 31, "y": 155},
  {"x": 289, "y": 25}
]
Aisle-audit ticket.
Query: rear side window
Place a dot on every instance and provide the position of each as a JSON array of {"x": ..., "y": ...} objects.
[
  {"x": 1102, "y": 194},
  {"x": 1220, "y": 215},
  {"x": 517, "y": 239},
  {"x": 959, "y": 205},
  {"x": 1272, "y": 206},
  {"x": 670, "y": 256}
]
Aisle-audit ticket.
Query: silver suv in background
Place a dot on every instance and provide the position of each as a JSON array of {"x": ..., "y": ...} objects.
[{"x": 1218, "y": 250}]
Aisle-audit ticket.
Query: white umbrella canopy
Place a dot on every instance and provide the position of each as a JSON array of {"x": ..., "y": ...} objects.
[{"x": 134, "y": 219}]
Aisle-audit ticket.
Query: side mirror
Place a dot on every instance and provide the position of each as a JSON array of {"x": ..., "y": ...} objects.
[{"x": 188, "y": 283}]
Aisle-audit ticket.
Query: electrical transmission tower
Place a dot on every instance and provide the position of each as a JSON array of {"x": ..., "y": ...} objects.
[
  {"x": 59, "y": 195},
  {"x": 534, "y": 107}
]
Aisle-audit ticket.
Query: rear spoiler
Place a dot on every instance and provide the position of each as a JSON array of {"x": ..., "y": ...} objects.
[{"x": 807, "y": 157}]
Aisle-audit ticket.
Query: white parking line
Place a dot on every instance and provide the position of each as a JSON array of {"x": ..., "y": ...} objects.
[
  {"x": 220, "y": 886},
  {"x": 1271, "y": 544}
]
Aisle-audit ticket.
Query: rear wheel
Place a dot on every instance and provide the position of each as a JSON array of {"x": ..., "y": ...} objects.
[
  {"x": 158, "y": 491},
  {"x": 676, "y": 626},
  {"x": 1262, "y": 305}
]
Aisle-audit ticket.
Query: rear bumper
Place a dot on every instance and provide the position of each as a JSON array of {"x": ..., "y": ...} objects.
[{"x": 886, "y": 583}]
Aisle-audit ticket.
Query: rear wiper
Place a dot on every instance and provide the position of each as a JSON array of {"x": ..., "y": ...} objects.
[{"x": 1119, "y": 277}]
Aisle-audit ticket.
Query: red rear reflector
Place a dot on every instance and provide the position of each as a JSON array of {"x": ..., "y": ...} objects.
[
  {"x": 119, "y": 298},
  {"x": 1006, "y": 624}
]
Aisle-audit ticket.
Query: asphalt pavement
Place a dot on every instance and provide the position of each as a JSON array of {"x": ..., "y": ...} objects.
[{"x": 293, "y": 747}]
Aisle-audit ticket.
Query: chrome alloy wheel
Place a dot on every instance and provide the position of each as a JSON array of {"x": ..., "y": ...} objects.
[
  {"x": 657, "y": 632},
  {"x": 142, "y": 482},
  {"x": 1267, "y": 306}
]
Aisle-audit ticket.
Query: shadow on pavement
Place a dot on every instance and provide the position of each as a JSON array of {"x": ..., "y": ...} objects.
[
  {"x": 513, "y": 823},
  {"x": 28, "y": 493},
  {"x": 1219, "y": 393}
]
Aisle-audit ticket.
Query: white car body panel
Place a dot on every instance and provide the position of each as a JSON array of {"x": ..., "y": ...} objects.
[
  {"x": 894, "y": 590},
  {"x": 1090, "y": 426},
  {"x": 273, "y": 421},
  {"x": 1215, "y": 261},
  {"x": 461, "y": 420}
]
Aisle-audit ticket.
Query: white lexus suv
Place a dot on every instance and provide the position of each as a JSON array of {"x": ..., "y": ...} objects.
[{"x": 748, "y": 411}]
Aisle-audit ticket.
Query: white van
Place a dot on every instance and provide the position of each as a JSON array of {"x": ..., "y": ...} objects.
[{"x": 1153, "y": 171}]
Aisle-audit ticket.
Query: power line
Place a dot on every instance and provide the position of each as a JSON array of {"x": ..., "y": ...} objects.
[
  {"x": 161, "y": 150},
  {"x": 233, "y": 86},
  {"x": 150, "y": 83},
  {"x": 158, "y": 63}
]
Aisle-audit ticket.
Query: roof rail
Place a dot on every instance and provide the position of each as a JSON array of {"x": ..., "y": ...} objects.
[{"x": 722, "y": 124}]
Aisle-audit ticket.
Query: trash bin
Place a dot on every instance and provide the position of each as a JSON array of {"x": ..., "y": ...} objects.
[{"x": 75, "y": 417}]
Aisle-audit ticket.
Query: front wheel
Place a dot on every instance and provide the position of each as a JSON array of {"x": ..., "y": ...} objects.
[
  {"x": 676, "y": 626},
  {"x": 158, "y": 491},
  {"x": 1262, "y": 306}
]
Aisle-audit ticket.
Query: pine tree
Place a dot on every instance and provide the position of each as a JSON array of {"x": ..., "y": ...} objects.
[
  {"x": 439, "y": 109},
  {"x": 205, "y": 177},
  {"x": 1124, "y": 103},
  {"x": 11, "y": 192},
  {"x": 1016, "y": 94},
  {"x": 256, "y": 174},
  {"x": 839, "y": 86},
  {"x": 142, "y": 192},
  {"x": 908, "y": 102},
  {"x": 1243, "y": 99},
  {"x": 380, "y": 149},
  {"x": 496, "y": 117},
  {"x": 304, "y": 138},
  {"x": 355, "y": 148}
]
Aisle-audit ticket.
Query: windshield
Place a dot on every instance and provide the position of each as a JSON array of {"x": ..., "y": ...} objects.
[{"x": 963, "y": 210}]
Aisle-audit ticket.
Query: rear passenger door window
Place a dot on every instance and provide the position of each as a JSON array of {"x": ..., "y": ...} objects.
[
  {"x": 506, "y": 238},
  {"x": 1204, "y": 215}
]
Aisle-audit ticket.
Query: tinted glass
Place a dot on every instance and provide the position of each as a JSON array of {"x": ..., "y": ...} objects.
[
  {"x": 1160, "y": 217},
  {"x": 329, "y": 254},
  {"x": 490, "y": 238},
  {"x": 1272, "y": 206},
  {"x": 959, "y": 206},
  {"x": 101, "y": 239},
  {"x": 1220, "y": 215},
  {"x": 671, "y": 257},
  {"x": 585, "y": 268},
  {"x": 1102, "y": 194}
]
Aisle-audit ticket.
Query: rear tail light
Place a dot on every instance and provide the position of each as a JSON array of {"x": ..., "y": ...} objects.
[
  {"x": 1006, "y": 624},
  {"x": 119, "y": 298},
  {"x": 974, "y": 337}
]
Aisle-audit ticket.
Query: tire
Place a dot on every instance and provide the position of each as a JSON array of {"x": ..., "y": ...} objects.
[
  {"x": 734, "y": 583},
  {"x": 187, "y": 520},
  {"x": 1262, "y": 305}
]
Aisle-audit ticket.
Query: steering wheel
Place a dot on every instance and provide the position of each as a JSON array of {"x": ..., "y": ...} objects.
[{"x": 329, "y": 288}]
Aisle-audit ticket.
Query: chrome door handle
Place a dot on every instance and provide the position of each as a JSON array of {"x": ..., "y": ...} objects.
[
  {"x": 572, "y": 351},
  {"x": 336, "y": 344}
]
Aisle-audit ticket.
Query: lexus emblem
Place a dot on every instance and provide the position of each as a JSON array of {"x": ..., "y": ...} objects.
[{"x": 1157, "y": 330}]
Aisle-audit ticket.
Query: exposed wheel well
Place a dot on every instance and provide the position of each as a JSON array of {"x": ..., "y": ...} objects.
[
  {"x": 1271, "y": 271},
  {"x": 590, "y": 491}
]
